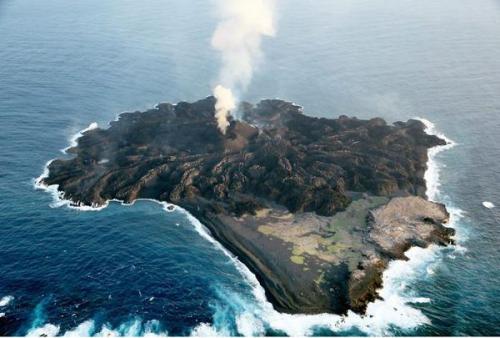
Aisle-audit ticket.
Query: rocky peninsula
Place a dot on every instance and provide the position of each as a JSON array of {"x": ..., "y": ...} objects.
[{"x": 315, "y": 207}]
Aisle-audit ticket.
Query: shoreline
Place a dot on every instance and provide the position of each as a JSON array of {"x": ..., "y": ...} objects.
[{"x": 302, "y": 323}]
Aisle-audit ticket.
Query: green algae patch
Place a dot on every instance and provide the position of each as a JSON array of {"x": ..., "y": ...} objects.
[
  {"x": 333, "y": 239},
  {"x": 297, "y": 259},
  {"x": 266, "y": 229}
]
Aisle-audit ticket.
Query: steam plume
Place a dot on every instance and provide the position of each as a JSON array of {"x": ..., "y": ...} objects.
[
  {"x": 238, "y": 37},
  {"x": 225, "y": 103}
]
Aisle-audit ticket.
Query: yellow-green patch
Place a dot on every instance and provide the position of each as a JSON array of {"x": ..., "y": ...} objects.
[
  {"x": 265, "y": 229},
  {"x": 297, "y": 259}
]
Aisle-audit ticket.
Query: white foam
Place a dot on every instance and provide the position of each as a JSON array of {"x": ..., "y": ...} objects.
[
  {"x": 206, "y": 330},
  {"x": 432, "y": 180},
  {"x": 47, "y": 330},
  {"x": 6, "y": 300},
  {"x": 58, "y": 199},
  {"x": 431, "y": 175},
  {"x": 420, "y": 300},
  {"x": 73, "y": 141},
  {"x": 2, "y": 314},
  {"x": 85, "y": 329},
  {"x": 152, "y": 329},
  {"x": 248, "y": 324},
  {"x": 107, "y": 331},
  {"x": 488, "y": 205},
  {"x": 131, "y": 328}
]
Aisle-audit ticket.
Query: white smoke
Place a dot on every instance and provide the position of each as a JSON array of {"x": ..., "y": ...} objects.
[
  {"x": 238, "y": 36},
  {"x": 225, "y": 102}
]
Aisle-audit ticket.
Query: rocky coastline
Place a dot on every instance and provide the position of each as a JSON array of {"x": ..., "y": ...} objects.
[{"x": 315, "y": 207}]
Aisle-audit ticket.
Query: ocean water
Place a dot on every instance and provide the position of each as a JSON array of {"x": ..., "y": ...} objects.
[{"x": 134, "y": 270}]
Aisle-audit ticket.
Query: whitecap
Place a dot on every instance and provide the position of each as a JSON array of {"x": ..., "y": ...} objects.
[
  {"x": 152, "y": 328},
  {"x": 488, "y": 205},
  {"x": 6, "y": 300},
  {"x": 207, "y": 330},
  {"x": 107, "y": 331},
  {"x": 420, "y": 300},
  {"x": 47, "y": 330},
  {"x": 131, "y": 328},
  {"x": 85, "y": 329}
]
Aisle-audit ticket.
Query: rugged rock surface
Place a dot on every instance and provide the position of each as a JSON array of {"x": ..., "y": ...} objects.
[{"x": 315, "y": 207}]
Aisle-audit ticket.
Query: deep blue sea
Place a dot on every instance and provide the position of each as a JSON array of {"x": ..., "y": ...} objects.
[{"x": 134, "y": 270}]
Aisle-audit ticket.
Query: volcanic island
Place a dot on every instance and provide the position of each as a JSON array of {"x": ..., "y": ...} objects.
[{"x": 315, "y": 207}]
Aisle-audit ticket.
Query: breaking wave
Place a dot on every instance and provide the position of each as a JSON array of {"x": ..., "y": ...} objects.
[
  {"x": 74, "y": 138},
  {"x": 131, "y": 328},
  {"x": 6, "y": 300},
  {"x": 135, "y": 326}
]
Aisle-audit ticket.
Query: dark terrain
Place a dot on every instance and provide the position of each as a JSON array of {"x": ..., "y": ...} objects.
[{"x": 315, "y": 207}]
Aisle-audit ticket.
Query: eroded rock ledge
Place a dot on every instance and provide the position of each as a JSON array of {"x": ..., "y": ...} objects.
[{"x": 315, "y": 207}]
